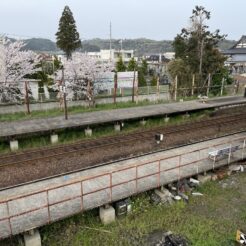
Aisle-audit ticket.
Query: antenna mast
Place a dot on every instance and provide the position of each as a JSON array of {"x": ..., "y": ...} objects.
[{"x": 110, "y": 41}]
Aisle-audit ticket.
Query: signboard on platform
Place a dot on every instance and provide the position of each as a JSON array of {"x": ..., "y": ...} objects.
[
  {"x": 224, "y": 151},
  {"x": 124, "y": 80}
]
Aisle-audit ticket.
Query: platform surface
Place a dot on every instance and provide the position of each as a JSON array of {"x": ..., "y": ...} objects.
[{"x": 24, "y": 127}]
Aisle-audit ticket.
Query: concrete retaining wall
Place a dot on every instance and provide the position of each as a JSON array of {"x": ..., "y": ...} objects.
[
  {"x": 30, "y": 206},
  {"x": 52, "y": 105}
]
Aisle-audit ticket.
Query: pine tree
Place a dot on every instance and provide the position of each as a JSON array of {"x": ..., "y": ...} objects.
[
  {"x": 144, "y": 67},
  {"x": 120, "y": 66},
  {"x": 196, "y": 51},
  {"x": 142, "y": 73},
  {"x": 132, "y": 65},
  {"x": 67, "y": 36}
]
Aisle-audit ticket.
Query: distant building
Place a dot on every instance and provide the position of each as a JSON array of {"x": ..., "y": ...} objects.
[
  {"x": 114, "y": 55},
  {"x": 237, "y": 57},
  {"x": 158, "y": 66}
]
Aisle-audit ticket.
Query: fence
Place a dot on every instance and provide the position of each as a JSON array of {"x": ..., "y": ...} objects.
[
  {"x": 25, "y": 208},
  {"x": 44, "y": 94}
]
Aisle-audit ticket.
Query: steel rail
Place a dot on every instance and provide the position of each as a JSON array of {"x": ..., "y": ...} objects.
[
  {"x": 67, "y": 149},
  {"x": 111, "y": 162},
  {"x": 64, "y": 147}
]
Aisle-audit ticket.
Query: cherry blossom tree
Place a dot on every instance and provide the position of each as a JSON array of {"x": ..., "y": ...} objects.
[
  {"x": 15, "y": 64},
  {"x": 83, "y": 76}
]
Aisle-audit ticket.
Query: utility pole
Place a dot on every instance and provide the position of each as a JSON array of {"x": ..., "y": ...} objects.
[
  {"x": 27, "y": 98},
  {"x": 110, "y": 41},
  {"x": 64, "y": 93}
]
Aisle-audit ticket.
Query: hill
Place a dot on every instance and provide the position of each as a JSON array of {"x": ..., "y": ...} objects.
[
  {"x": 39, "y": 44},
  {"x": 141, "y": 46}
]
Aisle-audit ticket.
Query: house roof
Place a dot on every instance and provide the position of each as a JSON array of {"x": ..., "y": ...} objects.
[
  {"x": 238, "y": 48},
  {"x": 156, "y": 58},
  {"x": 235, "y": 51}
]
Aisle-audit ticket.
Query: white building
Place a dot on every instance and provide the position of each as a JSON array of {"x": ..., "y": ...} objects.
[{"x": 114, "y": 55}]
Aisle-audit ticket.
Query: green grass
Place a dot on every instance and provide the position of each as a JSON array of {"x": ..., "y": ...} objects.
[{"x": 211, "y": 220}]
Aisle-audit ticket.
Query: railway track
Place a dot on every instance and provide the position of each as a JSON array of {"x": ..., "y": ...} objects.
[
  {"x": 31, "y": 166},
  {"x": 59, "y": 151}
]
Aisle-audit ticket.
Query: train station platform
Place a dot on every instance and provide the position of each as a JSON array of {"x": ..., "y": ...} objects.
[{"x": 25, "y": 127}]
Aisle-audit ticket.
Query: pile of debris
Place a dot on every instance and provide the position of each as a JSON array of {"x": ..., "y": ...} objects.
[
  {"x": 182, "y": 189},
  {"x": 160, "y": 238},
  {"x": 175, "y": 192}
]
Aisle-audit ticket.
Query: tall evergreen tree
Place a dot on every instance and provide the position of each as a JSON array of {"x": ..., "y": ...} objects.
[
  {"x": 144, "y": 67},
  {"x": 67, "y": 37},
  {"x": 132, "y": 65},
  {"x": 120, "y": 66},
  {"x": 196, "y": 50},
  {"x": 142, "y": 73}
]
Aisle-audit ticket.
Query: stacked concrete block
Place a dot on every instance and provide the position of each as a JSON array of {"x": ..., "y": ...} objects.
[
  {"x": 88, "y": 132},
  {"x": 117, "y": 127},
  {"x": 143, "y": 122},
  {"x": 166, "y": 119},
  {"x": 32, "y": 238},
  {"x": 14, "y": 145},
  {"x": 107, "y": 214},
  {"x": 54, "y": 138}
]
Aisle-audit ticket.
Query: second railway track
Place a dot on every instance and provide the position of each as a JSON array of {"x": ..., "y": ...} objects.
[{"x": 52, "y": 152}]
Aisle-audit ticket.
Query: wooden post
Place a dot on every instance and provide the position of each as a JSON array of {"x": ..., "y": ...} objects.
[
  {"x": 209, "y": 82},
  {"x": 175, "y": 88},
  {"x": 27, "y": 98},
  {"x": 133, "y": 85},
  {"x": 137, "y": 91},
  {"x": 193, "y": 85},
  {"x": 115, "y": 87},
  {"x": 222, "y": 87},
  {"x": 158, "y": 87}
]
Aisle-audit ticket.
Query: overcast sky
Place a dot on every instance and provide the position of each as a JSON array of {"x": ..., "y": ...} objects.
[{"x": 155, "y": 19}]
